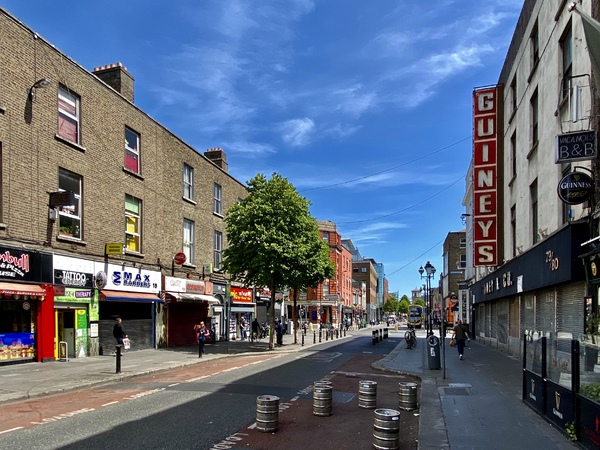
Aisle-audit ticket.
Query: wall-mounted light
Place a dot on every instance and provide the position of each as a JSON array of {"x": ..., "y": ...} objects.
[{"x": 41, "y": 83}]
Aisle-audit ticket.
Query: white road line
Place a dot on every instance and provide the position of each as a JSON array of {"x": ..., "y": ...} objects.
[
  {"x": 12, "y": 429},
  {"x": 110, "y": 403},
  {"x": 174, "y": 384}
]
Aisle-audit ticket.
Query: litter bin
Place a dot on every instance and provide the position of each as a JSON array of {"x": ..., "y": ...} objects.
[{"x": 433, "y": 352}]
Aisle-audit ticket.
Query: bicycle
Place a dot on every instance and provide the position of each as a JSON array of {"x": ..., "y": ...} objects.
[{"x": 411, "y": 338}]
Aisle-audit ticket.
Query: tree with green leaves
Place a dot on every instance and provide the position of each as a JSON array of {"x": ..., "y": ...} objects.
[
  {"x": 391, "y": 305},
  {"x": 403, "y": 305},
  {"x": 272, "y": 240}
]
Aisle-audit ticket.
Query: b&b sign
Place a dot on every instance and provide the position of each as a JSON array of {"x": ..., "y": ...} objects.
[{"x": 575, "y": 146}]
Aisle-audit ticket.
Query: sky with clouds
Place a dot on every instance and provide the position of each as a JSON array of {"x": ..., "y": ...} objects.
[{"x": 365, "y": 106}]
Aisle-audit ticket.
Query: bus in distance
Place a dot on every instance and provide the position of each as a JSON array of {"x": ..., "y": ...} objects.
[{"x": 415, "y": 316}]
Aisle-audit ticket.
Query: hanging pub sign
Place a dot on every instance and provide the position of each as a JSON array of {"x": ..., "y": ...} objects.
[
  {"x": 575, "y": 146},
  {"x": 575, "y": 188}
]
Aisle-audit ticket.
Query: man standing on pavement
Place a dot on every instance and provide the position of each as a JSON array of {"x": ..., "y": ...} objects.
[
  {"x": 118, "y": 331},
  {"x": 459, "y": 334}
]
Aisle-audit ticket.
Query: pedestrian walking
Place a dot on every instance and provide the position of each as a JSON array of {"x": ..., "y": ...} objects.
[
  {"x": 118, "y": 331},
  {"x": 279, "y": 331},
  {"x": 460, "y": 334},
  {"x": 255, "y": 329},
  {"x": 201, "y": 333}
]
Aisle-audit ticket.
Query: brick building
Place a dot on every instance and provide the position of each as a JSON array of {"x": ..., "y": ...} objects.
[{"x": 83, "y": 167}]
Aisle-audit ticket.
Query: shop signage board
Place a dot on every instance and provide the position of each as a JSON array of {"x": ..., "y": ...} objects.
[
  {"x": 485, "y": 175},
  {"x": 577, "y": 146}
]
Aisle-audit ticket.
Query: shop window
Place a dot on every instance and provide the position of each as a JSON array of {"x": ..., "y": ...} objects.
[
  {"x": 69, "y": 216},
  {"x": 133, "y": 209}
]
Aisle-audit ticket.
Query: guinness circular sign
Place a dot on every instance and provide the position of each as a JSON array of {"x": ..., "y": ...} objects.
[{"x": 575, "y": 188}]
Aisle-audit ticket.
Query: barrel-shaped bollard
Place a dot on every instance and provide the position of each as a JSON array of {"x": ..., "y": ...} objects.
[
  {"x": 385, "y": 333},
  {"x": 386, "y": 429},
  {"x": 407, "y": 396},
  {"x": 367, "y": 394},
  {"x": 267, "y": 413},
  {"x": 374, "y": 337},
  {"x": 322, "y": 398}
]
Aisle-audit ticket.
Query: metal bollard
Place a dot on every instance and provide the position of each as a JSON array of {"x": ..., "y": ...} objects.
[
  {"x": 326, "y": 335},
  {"x": 385, "y": 333},
  {"x": 314, "y": 337},
  {"x": 374, "y": 337},
  {"x": 367, "y": 394},
  {"x": 407, "y": 396},
  {"x": 322, "y": 398},
  {"x": 319, "y": 335},
  {"x": 303, "y": 339},
  {"x": 380, "y": 335},
  {"x": 267, "y": 413},
  {"x": 118, "y": 351},
  {"x": 386, "y": 429}
]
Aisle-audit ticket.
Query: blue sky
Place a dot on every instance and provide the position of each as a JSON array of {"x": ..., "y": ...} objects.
[{"x": 365, "y": 106}]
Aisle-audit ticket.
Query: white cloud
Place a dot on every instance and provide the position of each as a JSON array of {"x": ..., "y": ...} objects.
[
  {"x": 297, "y": 132},
  {"x": 249, "y": 148}
]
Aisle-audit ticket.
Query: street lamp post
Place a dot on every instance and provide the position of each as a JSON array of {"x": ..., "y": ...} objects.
[{"x": 428, "y": 273}]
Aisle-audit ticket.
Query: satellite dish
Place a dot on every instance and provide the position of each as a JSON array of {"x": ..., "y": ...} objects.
[{"x": 100, "y": 280}]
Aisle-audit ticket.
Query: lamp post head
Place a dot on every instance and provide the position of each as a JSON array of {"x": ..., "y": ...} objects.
[{"x": 421, "y": 271}]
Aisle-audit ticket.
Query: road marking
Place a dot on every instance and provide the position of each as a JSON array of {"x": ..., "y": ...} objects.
[
  {"x": 110, "y": 403},
  {"x": 12, "y": 429},
  {"x": 143, "y": 394},
  {"x": 174, "y": 384}
]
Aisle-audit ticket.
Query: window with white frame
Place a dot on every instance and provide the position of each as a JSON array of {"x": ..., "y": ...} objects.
[
  {"x": 325, "y": 289},
  {"x": 463, "y": 261},
  {"x": 68, "y": 115},
  {"x": 132, "y": 150},
  {"x": 218, "y": 249},
  {"x": 326, "y": 236},
  {"x": 188, "y": 241},
  {"x": 69, "y": 216},
  {"x": 217, "y": 203},
  {"x": 463, "y": 243},
  {"x": 188, "y": 182},
  {"x": 133, "y": 223}
]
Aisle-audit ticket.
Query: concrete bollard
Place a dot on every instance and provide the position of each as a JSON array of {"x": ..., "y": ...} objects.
[
  {"x": 267, "y": 413},
  {"x": 386, "y": 429}
]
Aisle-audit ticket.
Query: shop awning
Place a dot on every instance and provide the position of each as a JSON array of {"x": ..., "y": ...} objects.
[
  {"x": 121, "y": 296},
  {"x": 187, "y": 297},
  {"x": 21, "y": 289},
  {"x": 242, "y": 307}
]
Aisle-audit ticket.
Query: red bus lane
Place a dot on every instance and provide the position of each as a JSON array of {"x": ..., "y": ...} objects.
[{"x": 41, "y": 410}]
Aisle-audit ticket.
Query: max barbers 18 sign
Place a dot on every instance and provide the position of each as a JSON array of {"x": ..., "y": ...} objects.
[{"x": 575, "y": 188}]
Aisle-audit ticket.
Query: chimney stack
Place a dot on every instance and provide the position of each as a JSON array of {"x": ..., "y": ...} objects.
[
  {"x": 117, "y": 77},
  {"x": 218, "y": 157}
]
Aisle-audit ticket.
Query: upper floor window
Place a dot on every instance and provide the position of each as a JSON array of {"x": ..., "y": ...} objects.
[
  {"x": 132, "y": 150},
  {"x": 513, "y": 154},
  {"x": 68, "y": 115},
  {"x": 188, "y": 241},
  {"x": 363, "y": 269},
  {"x": 534, "y": 118},
  {"x": 188, "y": 182},
  {"x": 325, "y": 289},
  {"x": 534, "y": 41},
  {"x": 463, "y": 243},
  {"x": 133, "y": 223},
  {"x": 513, "y": 95},
  {"x": 533, "y": 192},
  {"x": 217, "y": 203},
  {"x": 566, "y": 47},
  {"x": 513, "y": 229},
  {"x": 69, "y": 217},
  {"x": 218, "y": 250},
  {"x": 325, "y": 236},
  {"x": 463, "y": 261}
]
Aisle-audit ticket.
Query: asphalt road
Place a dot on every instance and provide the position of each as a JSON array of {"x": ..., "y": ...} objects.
[{"x": 212, "y": 406}]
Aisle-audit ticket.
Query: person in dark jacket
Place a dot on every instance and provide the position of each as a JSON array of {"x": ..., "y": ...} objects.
[
  {"x": 460, "y": 334},
  {"x": 118, "y": 331}
]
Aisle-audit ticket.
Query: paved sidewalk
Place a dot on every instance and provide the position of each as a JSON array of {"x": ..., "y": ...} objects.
[{"x": 472, "y": 404}]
